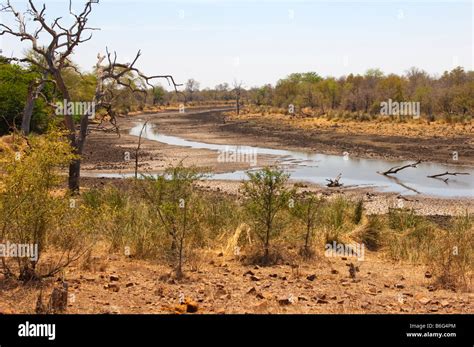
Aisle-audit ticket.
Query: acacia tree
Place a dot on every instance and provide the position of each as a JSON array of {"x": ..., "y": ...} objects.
[
  {"x": 266, "y": 197},
  {"x": 55, "y": 59},
  {"x": 307, "y": 210},
  {"x": 176, "y": 201}
]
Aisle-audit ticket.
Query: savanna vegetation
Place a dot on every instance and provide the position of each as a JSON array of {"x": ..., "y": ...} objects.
[{"x": 169, "y": 219}]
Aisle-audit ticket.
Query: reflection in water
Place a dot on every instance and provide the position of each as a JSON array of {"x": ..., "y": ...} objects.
[{"x": 316, "y": 168}]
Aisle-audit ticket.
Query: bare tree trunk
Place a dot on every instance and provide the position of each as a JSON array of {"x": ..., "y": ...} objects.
[
  {"x": 33, "y": 92},
  {"x": 76, "y": 144},
  {"x": 74, "y": 175},
  {"x": 28, "y": 112}
]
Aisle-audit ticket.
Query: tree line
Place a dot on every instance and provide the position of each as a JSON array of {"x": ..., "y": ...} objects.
[{"x": 452, "y": 93}]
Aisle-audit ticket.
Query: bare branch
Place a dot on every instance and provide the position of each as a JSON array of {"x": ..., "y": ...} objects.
[{"x": 396, "y": 169}]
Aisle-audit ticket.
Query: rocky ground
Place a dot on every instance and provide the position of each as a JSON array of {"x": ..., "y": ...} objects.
[{"x": 223, "y": 285}]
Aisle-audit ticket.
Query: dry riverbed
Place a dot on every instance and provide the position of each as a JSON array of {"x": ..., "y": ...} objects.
[{"x": 107, "y": 153}]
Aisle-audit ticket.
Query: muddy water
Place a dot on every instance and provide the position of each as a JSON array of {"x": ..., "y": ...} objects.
[{"x": 316, "y": 168}]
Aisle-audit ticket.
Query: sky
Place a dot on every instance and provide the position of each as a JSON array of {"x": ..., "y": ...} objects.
[{"x": 259, "y": 42}]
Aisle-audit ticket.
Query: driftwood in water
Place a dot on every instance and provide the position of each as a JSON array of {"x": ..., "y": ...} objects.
[
  {"x": 396, "y": 169},
  {"x": 335, "y": 183},
  {"x": 439, "y": 176}
]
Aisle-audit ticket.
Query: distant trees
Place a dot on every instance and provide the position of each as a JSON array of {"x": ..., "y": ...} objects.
[
  {"x": 238, "y": 95},
  {"x": 192, "y": 86},
  {"x": 450, "y": 94},
  {"x": 158, "y": 95}
]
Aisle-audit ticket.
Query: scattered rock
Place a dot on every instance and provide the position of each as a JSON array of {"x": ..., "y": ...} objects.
[
  {"x": 220, "y": 255},
  {"x": 114, "y": 278},
  {"x": 112, "y": 287},
  {"x": 252, "y": 291},
  {"x": 424, "y": 300},
  {"x": 255, "y": 278},
  {"x": 445, "y": 303},
  {"x": 353, "y": 270},
  {"x": 130, "y": 284},
  {"x": 249, "y": 273},
  {"x": 273, "y": 275},
  {"x": 221, "y": 292},
  {"x": 311, "y": 278},
  {"x": 260, "y": 296},
  {"x": 188, "y": 306},
  {"x": 334, "y": 272},
  {"x": 284, "y": 301},
  {"x": 399, "y": 286},
  {"x": 428, "y": 274}
]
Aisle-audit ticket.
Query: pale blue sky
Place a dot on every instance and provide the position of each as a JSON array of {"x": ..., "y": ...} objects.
[{"x": 261, "y": 41}]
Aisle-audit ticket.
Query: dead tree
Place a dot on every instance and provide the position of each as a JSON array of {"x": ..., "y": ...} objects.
[
  {"x": 397, "y": 169},
  {"x": 55, "y": 58}
]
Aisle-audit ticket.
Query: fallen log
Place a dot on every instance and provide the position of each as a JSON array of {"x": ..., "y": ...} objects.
[
  {"x": 396, "y": 169},
  {"x": 445, "y": 180},
  {"x": 448, "y": 174}
]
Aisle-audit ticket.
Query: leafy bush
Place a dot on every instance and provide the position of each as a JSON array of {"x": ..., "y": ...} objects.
[
  {"x": 32, "y": 209},
  {"x": 307, "y": 210},
  {"x": 452, "y": 257},
  {"x": 266, "y": 197}
]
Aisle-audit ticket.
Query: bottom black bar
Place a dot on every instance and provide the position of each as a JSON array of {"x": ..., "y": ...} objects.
[{"x": 378, "y": 330}]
